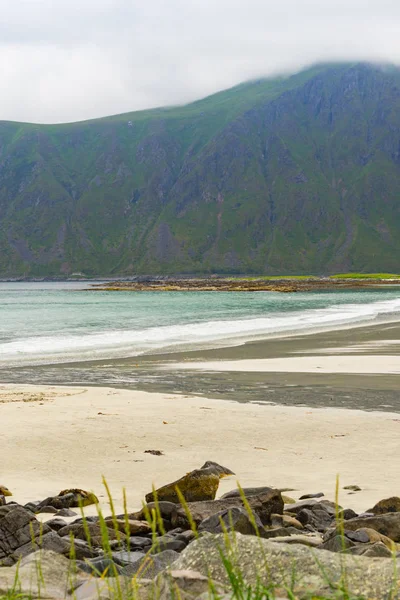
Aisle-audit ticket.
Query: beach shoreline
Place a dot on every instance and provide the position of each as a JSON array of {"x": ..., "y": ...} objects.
[{"x": 55, "y": 438}]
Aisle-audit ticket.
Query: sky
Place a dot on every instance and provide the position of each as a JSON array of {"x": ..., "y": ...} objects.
[{"x": 69, "y": 60}]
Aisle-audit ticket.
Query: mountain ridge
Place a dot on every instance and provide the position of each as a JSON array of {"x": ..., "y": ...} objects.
[{"x": 297, "y": 174}]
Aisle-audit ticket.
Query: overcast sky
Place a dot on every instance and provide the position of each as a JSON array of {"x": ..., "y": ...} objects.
[{"x": 64, "y": 60}]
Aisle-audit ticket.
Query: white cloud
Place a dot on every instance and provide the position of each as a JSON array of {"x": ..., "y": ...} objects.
[{"x": 64, "y": 60}]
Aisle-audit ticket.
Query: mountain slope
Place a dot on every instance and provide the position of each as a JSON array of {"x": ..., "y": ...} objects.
[{"x": 290, "y": 175}]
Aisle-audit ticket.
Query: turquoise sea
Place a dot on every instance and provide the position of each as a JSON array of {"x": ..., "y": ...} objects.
[
  {"x": 47, "y": 323},
  {"x": 63, "y": 333}
]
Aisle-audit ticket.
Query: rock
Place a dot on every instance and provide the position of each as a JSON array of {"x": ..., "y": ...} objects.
[
  {"x": 386, "y": 506},
  {"x": 377, "y": 550},
  {"x": 50, "y": 541},
  {"x": 120, "y": 588},
  {"x": 95, "y": 532},
  {"x": 288, "y": 499},
  {"x": 275, "y": 532},
  {"x": 150, "y": 565},
  {"x": 263, "y": 505},
  {"x": 186, "y": 536},
  {"x": 136, "y": 542},
  {"x": 135, "y": 527},
  {"x": 100, "y": 566},
  {"x": 2, "y": 500},
  {"x": 326, "y": 505},
  {"x": 231, "y": 519},
  {"x": 32, "y": 506},
  {"x": 198, "y": 485},
  {"x": 83, "y": 498},
  {"x": 47, "y": 509},
  {"x": 316, "y": 517},
  {"x": 185, "y": 584},
  {"x": 123, "y": 557},
  {"x": 347, "y": 513},
  {"x": 338, "y": 543},
  {"x": 82, "y": 550},
  {"x": 17, "y": 528},
  {"x": 313, "y": 541},
  {"x": 54, "y": 580},
  {"x": 358, "y": 536},
  {"x": 352, "y": 488},
  {"x": 4, "y": 491},
  {"x": 285, "y": 521},
  {"x": 66, "y": 512},
  {"x": 67, "y": 499},
  {"x": 366, "y": 535},
  {"x": 56, "y": 524},
  {"x": 255, "y": 491},
  {"x": 166, "y": 509},
  {"x": 168, "y": 543},
  {"x": 272, "y": 563},
  {"x": 387, "y": 524},
  {"x": 307, "y": 496}
]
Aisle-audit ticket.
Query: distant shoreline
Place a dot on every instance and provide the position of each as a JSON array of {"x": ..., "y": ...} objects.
[{"x": 244, "y": 284}]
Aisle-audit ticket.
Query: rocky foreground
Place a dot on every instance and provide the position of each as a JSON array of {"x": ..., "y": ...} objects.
[{"x": 183, "y": 538}]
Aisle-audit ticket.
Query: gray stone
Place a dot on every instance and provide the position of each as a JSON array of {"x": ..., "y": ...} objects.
[
  {"x": 120, "y": 588},
  {"x": 313, "y": 541},
  {"x": 165, "y": 508},
  {"x": 56, "y": 524},
  {"x": 308, "y": 496},
  {"x": 125, "y": 558},
  {"x": 47, "y": 509},
  {"x": 359, "y": 536},
  {"x": 314, "y": 573},
  {"x": 236, "y": 519},
  {"x": 263, "y": 505},
  {"x": 66, "y": 512},
  {"x": 186, "y": 536},
  {"x": 185, "y": 585},
  {"x": 150, "y": 565},
  {"x": 50, "y": 541},
  {"x": 17, "y": 528},
  {"x": 168, "y": 543},
  {"x": 255, "y": 491},
  {"x": 316, "y": 517},
  {"x": 387, "y": 524},
  {"x": 377, "y": 550},
  {"x": 274, "y": 532},
  {"x": 136, "y": 542},
  {"x": 54, "y": 581},
  {"x": 352, "y": 488},
  {"x": 101, "y": 566}
]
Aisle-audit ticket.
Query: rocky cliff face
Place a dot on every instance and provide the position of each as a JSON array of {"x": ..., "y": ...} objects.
[{"x": 296, "y": 175}]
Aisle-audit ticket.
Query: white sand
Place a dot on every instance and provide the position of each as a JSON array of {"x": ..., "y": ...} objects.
[
  {"x": 360, "y": 364},
  {"x": 58, "y": 439}
]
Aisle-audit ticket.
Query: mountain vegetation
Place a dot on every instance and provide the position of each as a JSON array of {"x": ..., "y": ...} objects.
[{"x": 297, "y": 174}]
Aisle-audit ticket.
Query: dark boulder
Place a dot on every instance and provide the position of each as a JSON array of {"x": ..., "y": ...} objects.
[
  {"x": 17, "y": 528},
  {"x": 388, "y": 505},
  {"x": 263, "y": 505},
  {"x": 232, "y": 519}
]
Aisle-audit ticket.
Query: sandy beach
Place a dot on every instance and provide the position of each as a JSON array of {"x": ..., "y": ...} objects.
[{"x": 58, "y": 437}]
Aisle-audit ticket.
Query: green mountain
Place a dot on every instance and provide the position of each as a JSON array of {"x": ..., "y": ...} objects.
[{"x": 295, "y": 174}]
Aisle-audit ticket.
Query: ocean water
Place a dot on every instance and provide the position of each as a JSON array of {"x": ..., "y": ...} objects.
[{"x": 61, "y": 323}]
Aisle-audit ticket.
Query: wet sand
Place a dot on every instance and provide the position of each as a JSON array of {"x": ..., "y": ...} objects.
[
  {"x": 159, "y": 372},
  {"x": 53, "y": 438}
]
